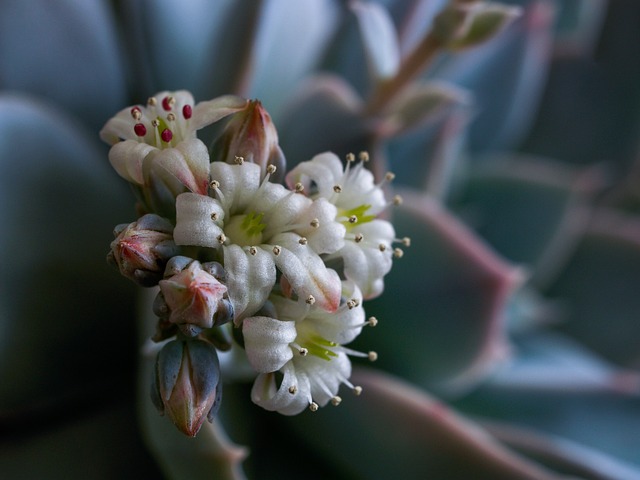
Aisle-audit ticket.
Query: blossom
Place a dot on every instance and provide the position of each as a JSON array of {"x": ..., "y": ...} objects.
[
  {"x": 163, "y": 133},
  {"x": 367, "y": 250},
  {"x": 305, "y": 344},
  {"x": 258, "y": 226}
]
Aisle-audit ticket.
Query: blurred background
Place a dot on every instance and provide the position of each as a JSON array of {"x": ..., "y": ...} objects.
[{"x": 509, "y": 336}]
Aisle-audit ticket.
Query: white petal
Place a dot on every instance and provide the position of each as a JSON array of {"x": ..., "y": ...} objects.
[
  {"x": 324, "y": 376},
  {"x": 250, "y": 279},
  {"x": 189, "y": 163},
  {"x": 266, "y": 342},
  {"x": 329, "y": 236},
  {"x": 194, "y": 223},
  {"x": 206, "y": 113},
  {"x": 266, "y": 394},
  {"x": 119, "y": 128},
  {"x": 238, "y": 183},
  {"x": 339, "y": 327},
  {"x": 325, "y": 170},
  {"x": 306, "y": 272},
  {"x": 127, "y": 157}
]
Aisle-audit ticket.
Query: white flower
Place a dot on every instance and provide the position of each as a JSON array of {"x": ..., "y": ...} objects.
[
  {"x": 367, "y": 252},
  {"x": 165, "y": 129},
  {"x": 259, "y": 226},
  {"x": 304, "y": 344}
]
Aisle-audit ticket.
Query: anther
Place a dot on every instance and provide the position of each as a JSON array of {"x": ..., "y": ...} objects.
[
  {"x": 187, "y": 111},
  {"x": 293, "y": 389},
  {"x": 168, "y": 103},
  {"x": 221, "y": 238},
  {"x": 166, "y": 135},
  {"x": 337, "y": 188},
  {"x": 406, "y": 241},
  {"x": 389, "y": 176},
  {"x": 353, "y": 219},
  {"x": 136, "y": 113},
  {"x": 214, "y": 216},
  {"x": 382, "y": 247},
  {"x": 353, "y": 303},
  {"x": 350, "y": 157},
  {"x": 302, "y": 241},
  {"x": 363, "y": 156},
  {"x": 335, "y": 401},
  {"x": 299, "y": 188},
  {"x": 271, "y": 169},
  {"x": 311, "y": 300},
  {"x": 140, "y": 130},
  {"x": 276, "y": 250},
  {"x": 373, "y": 321},
  {"x": 398, "y": 253},
  {"x": 315, "y": 223},
  {"x": 359, "y": 237},
  {"x": 239, "y": 160},
  {"x": 215, "y": 184},
  {"x": 313, "y": 406},
  {"x": 171, "y": 117},
  {"x": 303, "y": 352},
  {"x": 397, "y": 200},
  {"x": 152, "y": 102},
  {"x": 155, "y": 123},
  {"x": 373, "y": 356},
  {"x": 357, "y": 390},
  {"x": 253, "y": 251}
]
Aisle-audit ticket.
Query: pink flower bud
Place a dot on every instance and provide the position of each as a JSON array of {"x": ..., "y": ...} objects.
[{"x": 142, "y": 248}]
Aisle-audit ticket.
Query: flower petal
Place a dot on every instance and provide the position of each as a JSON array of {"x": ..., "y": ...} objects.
[
  {"x": 266, "y": 342},
  {"x": 306, "y": 272},
  {"x": 208, "y": 112},
  {"x": 266, "y": 394},
  {"x": 188, "y": 162},
  {"x": 250, "y": 279},
  {"x": 194, "y": 223},
  {"x": 127, "y": 157}
]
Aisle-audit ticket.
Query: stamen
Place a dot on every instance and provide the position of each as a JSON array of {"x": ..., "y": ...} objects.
[
  {"x": 397, "y": 200},
  {"x": 313, "y": 406},
  {"x": 353, "y": 219},
  {"x": 166, "y": 135},
  {"x": 214, "y": 216},
  {"x": 389, "y": 176},
  {"x": 271, "y": 169},
  {"x": 398, "y": 253},
  {"x": 187, "y": 112},
  {"x": 315, "y": 223},
  {"x": 382, "y": 247},
  {"x": 357, "y": 390},
  {"x": 253, "y": 251},
  {"x": 293, "y": 389},
  {"x": 363, "y": 156},
  {"x": 171, "y": 117},
  {"x": 168, "y": 103},
  {"x": 358, "y": 238},
  {"x": 155, "y": 124},
  {"x": 337, "y": 188},
  {"x": 406, "y": 241},
  {"x": 215, "y": 184},
  {"x": 152, "y": 101},
  {"x": 373, "y": 356},
  {"x": 373, "y": 321},
  {"x": 299, "y": 188},
  {"x": 310, "y": 300},
  {"x": 276, "y": 250},
  {"x": 302, "y": 241},
  {"x": 221, "y": 238},
  {"x": 353, "y": 303},
  {"x": 239, "y": 160},
  {"x": 140, "y": 130},
  {"x": 136, "y": 113},
  {"x": 335, "y": 401},
  {"x": 350, "y": 157}
]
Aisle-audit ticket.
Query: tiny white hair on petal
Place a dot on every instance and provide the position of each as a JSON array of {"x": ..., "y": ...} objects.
[
  {"x": 194, "y": 224},
  {"x": 267, "y": 342}
]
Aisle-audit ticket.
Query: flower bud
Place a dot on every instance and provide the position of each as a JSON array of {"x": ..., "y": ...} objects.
[
  {"x": 186, "y": 385},
  {"x": 192, "y": 297},
  {"x": 142, "y": 248},
  {"x": 466, "y": 23},
  {"x": 251, "y": 136}
]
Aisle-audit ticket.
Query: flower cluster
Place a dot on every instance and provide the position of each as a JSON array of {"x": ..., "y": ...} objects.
[{"x": 278, "y": 270}]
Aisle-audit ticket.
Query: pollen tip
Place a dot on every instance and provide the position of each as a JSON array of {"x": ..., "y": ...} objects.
[
  {"x": 271, "y": 168},
  {"x": 253, "y": 251},
  {"x": 276, "y": 250},
  {"x": 335, "y": 401},
  {"x": 359, "y": 238},
  {"x": 353, "y": 219},
  {"x": 313, "y": 406},
  {"x": 221, "y": 238},
  {"x": 373, "y": 356},
  {"x": 373, "y": 321},
  {"x": 398, "y": 252},
  {"x": 337, "y": 188},
  {"x": 238, "y": 160},
  {"x": 382, "y": 247},
  {"x": 406, "y": 241},
  {"x": 166, "y": 135},
  {"x": 171, "y": 117},
  {"x": 215, "y": 184},
  {"x": 293, "y": 389},
  {"x": 350, "y": 157},
  {"x": 389, "y": 176},
  {"x": 315, "y": 223},
  {"x": 299, "y": 187},
  {"x": 397, "y": 200},
  {"x": 214, "y": 216},
  {"x": 152, "y": 102},
  {"x": 168, "y": 102},
  {"x": 311, "y": 300},
  {"x": 357, "y": 390},
  {"x": 303, "y": 352},
  {"x": 363, "y": 156},
  {"x": 302, "y": 241}
]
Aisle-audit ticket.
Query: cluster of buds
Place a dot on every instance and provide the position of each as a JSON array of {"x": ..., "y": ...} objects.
[{"x": 245, "y": 255}]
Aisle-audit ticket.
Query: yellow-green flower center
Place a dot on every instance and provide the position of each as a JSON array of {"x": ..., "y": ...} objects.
[
  {"x": 355, "y": 216},
  {"x": 246, "y": 229}
]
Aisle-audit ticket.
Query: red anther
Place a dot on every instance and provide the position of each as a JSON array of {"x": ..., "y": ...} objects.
[
  {"x": 187, "y": 111},
  {"x": 166, "y": 135},
  {"x": 136, "y": 113},
  {"x": 140, "y": 129},
  {"x": 167, "y": 103}
]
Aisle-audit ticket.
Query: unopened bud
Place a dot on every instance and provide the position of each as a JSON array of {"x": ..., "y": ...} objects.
[
  {"x": 186, "y": 385},
  {"x": 142, "y": 249},
  {"x": 191, "y": 297},
  {"x": 251, "y": 134}
]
